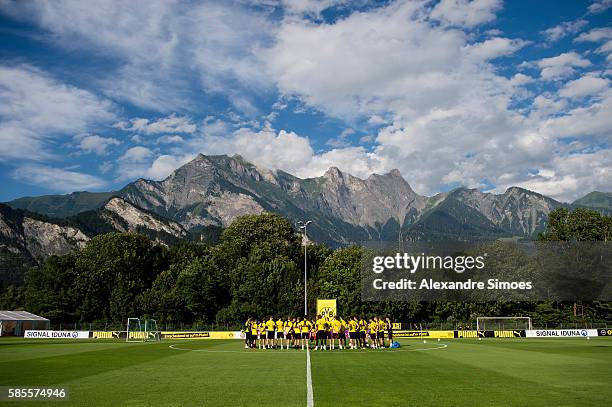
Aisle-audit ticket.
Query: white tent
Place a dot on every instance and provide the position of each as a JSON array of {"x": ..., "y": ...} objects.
[{"x": 13, "y": 323}]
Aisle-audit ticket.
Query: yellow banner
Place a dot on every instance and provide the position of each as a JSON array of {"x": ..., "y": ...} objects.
[
  {"x": 327, "y": 308},
  {"x": 424, "y": 334},
  {"x": 106, "y": 335},
  {"x": 470, "y": 334},
  {"x": 201, "y": 335}
]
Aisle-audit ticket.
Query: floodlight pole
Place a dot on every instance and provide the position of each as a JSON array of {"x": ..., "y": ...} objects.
[{"x": 303, "y": 225}]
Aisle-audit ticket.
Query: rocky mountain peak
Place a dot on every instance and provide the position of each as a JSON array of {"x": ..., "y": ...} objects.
[
  {"x": 214, "y": 190},
  {"x": 333, "y": 173},
  {"x": 396, "y": 173}
]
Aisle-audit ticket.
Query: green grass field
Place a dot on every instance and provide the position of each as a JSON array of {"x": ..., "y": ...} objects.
[{"x": 509, "y": 372}]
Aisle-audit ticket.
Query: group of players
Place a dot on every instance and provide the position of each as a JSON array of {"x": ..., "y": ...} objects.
[{"x": 324, "y": 332}]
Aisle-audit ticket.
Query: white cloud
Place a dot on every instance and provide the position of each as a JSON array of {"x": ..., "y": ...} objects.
[
  {"x": 605, "y": 48},
  {"x": 163, "y": 46},
  {"x": 521, "y": 79},
  {"x": 466, "y": 13},
  {"x": 267, "y": 148},
  {"x": 136, "y": 154},
  {"x": 419, "y": 66},
  {"x": 170, "y": 124},
  {"x": 562, "y": 65},
  {"x": 417, "y": 71},
  {"x": 92, "y": 143},
  {"x": 590, "y": 120},
  {"x": 163, "y": 165},
  {"x": 564, "y": 29},
  {"x": 342, "y": 140},
  {"x": 57, "y": 179},
  {"x": 595, "y": 35},
  {"x": 574, "y": 175},
  {"x": 494, "y": 48},
  {"x": 584, "y": 86},
  {"x": 35, "y": 109},
  {"x": 448, "y": 114},
  {"x": 105, "y": 167},
  {"x": 546, "y": 106},
  {"x": 142, "y": 162},
  {"x": 215, "y": 127},
  {"x": 310, "y": 7},
  {"x": 599, "y": 6},
  {"x": 169, "y": 140}
]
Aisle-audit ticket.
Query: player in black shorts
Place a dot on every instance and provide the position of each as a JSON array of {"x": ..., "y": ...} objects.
[
  {"x": 247, "y": 333},
  {"x": 288, "y": 331},
  {"x": 389, "y": 330},
  {"x": 362, "y": 332},
  {"x": 297, "y": 332},
  {"x": 372, "y": 327}
]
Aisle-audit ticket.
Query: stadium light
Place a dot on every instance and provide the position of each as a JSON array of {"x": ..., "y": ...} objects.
[{"x": 302, "y": 225}]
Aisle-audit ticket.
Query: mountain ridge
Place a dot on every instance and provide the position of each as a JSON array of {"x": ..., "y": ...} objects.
[{"x": 212, "y": 191}]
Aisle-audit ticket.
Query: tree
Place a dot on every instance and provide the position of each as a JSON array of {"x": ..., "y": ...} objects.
[
  {"x": 50, "y": 290},
  {"x": 114, "y": 269},
  {"x": 259, "y": 253},
  {"x": 187, "y": 292},
  {"x": 340, "y": 278},
  {"x": 582, "y": 224}
]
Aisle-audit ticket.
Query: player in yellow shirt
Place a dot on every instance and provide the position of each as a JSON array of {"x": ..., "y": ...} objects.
[
  {"x": 336, "y": 325},
  {"x": 373, "y": 328},
  {"x": 261, "y": 335},
  {"x": 353, "y": 332},
  {"x": 296, "y": 333},
  {"x": 342, "y": 334},
  {"x": 321, "y": 325},
  {"x": 253, "y": 332},
  {"x": 280, "y": 334},
  {"x": 362, "y": 332},
  {"x": 305, "y": 330},
  {"x": 288, "y": 332},
  {"x": 313, "y": 331},
  {"x": 270, "y": 329},
  {"x": 381, "y": 332}
]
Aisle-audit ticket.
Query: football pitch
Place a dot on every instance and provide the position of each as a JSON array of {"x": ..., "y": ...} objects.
[{"x": 460, "y": 372}]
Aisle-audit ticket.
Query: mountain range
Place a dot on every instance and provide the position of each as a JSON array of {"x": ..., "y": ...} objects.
[{"x": 209, "y": 192}]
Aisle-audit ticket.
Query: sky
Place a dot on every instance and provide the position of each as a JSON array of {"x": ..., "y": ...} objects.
[{"x": 483, "y": 94}]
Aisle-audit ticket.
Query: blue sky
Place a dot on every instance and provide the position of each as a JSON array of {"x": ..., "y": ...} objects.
[{"x": 485, "y": 94}]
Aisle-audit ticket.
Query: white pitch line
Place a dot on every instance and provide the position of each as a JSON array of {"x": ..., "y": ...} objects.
[
  {"x": 174, "y": 347},
  {"x": 309, "y": 396}
]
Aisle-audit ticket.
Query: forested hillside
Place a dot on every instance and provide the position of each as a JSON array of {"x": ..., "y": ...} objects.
[{"x": 256, "y": 269}]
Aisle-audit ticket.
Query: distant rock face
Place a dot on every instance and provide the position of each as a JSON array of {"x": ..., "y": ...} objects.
[
  {"x": 214, "y": 190},
  {"x": 125, "y": 217},
  {"x": 43, "y": 239},
  {"x": 371, "y": 202},
  {"x": 517, "y": 210},
  {"x": 203, "y": 192},
  {"x": 36, "y": 239}
]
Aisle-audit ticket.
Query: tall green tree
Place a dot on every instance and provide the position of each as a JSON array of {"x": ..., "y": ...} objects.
[
  {"x": 583, "y": 225},
  {"x": 114, "y": 269},
  {"x": 50, "y": 290},
  {"x": 259, "y": 253}
]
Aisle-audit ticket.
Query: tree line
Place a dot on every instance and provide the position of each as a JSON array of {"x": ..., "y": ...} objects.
[{"x": 256, "y": 269}]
